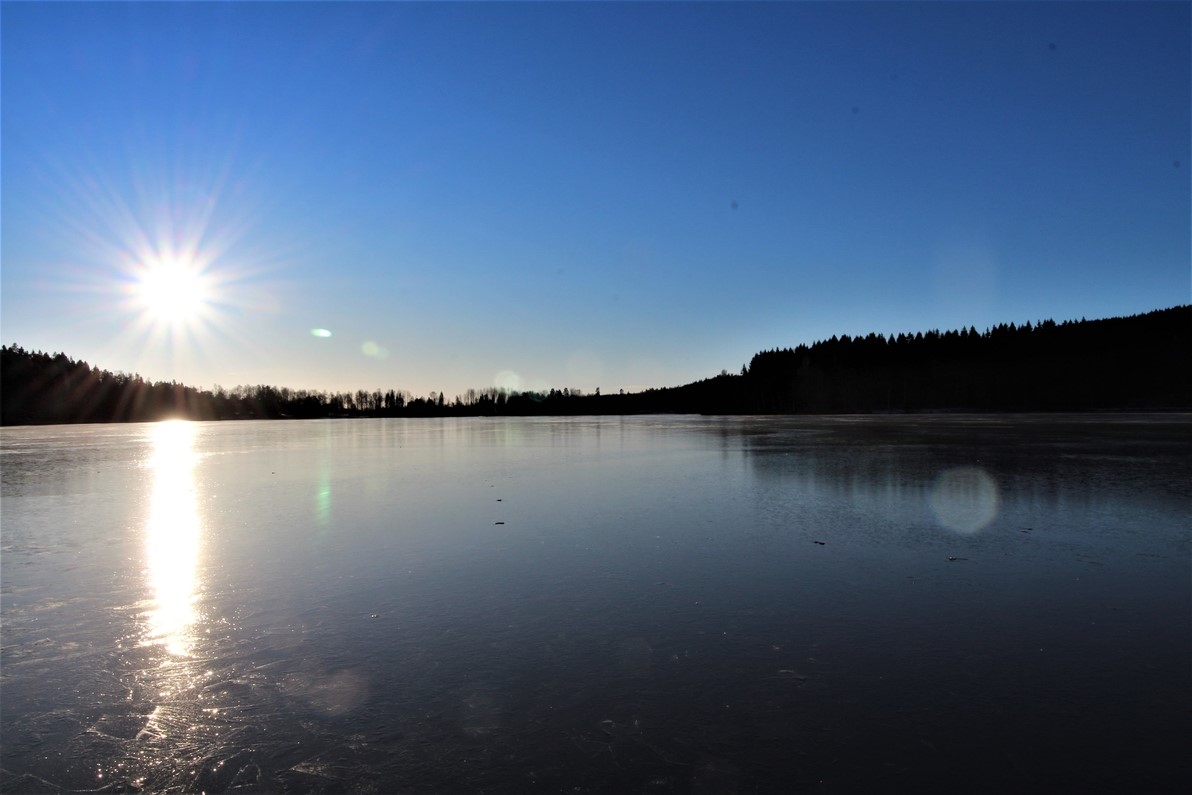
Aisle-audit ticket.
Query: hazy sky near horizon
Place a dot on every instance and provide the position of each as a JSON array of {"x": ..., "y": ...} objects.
[{"x": 612, "y": 195}]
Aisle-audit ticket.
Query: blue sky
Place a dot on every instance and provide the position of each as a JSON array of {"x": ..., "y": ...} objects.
[{"x": 612, "y": 195}]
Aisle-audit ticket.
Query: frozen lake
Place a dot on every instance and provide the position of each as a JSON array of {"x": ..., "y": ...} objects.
[{"x": 646, "y": 604}]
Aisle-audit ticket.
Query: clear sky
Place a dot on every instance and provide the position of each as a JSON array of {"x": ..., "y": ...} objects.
[{"x": 611, "y": 195}]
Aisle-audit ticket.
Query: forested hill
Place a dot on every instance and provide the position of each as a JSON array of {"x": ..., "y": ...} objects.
[
  {"x": 1138, "y": 362},
  {"x": 1143, "y": 362}
]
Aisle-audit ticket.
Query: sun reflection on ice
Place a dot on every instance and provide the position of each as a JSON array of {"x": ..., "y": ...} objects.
[{"x": 173, "y": 535}]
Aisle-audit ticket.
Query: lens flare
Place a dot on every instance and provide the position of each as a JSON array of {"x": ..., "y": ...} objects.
[
  {"x": 507, "y": 379},
  {"x": 964, "y": 499},
  {"x": 375, "y": 351}
]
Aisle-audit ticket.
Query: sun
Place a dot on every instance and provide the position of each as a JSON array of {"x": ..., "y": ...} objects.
[{"x": 172, "y": 290}]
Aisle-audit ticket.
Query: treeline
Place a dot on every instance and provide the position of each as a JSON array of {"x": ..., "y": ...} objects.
[
  {"x": 1141, "y": 362},
  {"x": 41, "y": 388}
]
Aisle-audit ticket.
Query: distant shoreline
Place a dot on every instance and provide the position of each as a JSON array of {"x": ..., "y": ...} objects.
[{"x": 1140, "y": 364}]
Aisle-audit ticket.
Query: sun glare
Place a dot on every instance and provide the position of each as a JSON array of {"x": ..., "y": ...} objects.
[
  {"x": 172, "y": 290},
  {"x": 173, "y": 536}
]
